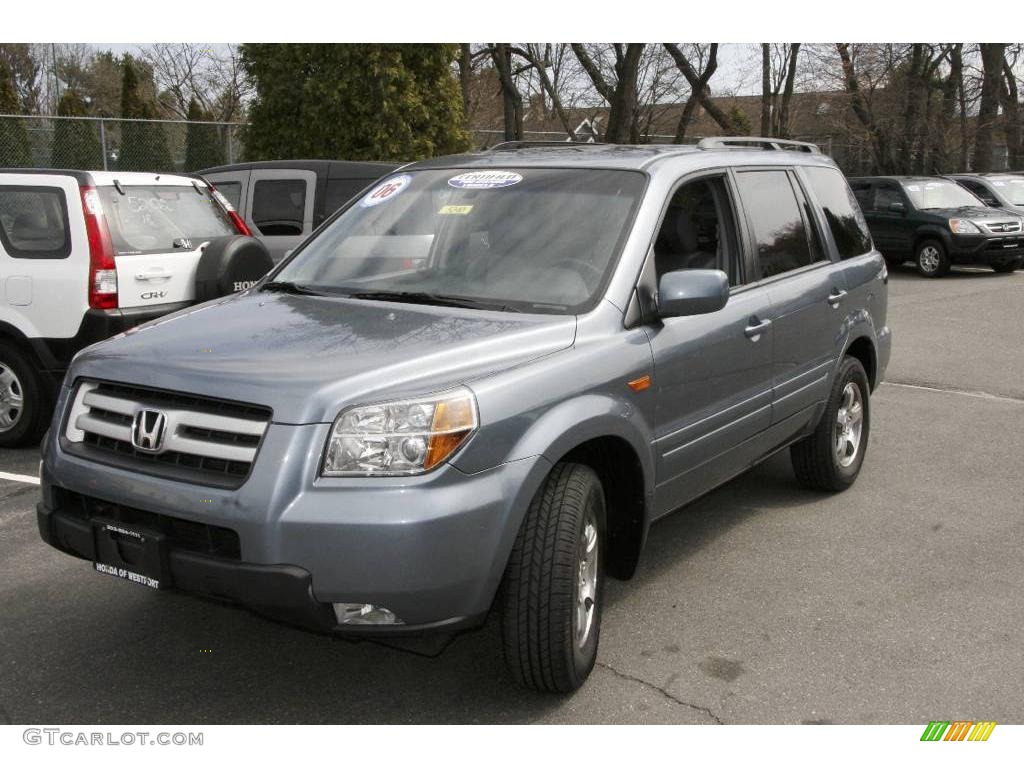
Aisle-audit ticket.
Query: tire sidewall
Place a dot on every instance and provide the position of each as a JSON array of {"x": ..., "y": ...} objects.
[
  {"x": 851, "y": 371},
  {"x": 32, "y": 397},
  {"x": 585, "y": 657}
]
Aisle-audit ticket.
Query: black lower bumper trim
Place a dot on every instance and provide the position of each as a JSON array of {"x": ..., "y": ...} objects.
[{"x": 282, "y": 592}]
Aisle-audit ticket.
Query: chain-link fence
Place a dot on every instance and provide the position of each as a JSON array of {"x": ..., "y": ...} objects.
[
  {"x": 94, "y": 143},
  {"x": 854, "y": 159}
]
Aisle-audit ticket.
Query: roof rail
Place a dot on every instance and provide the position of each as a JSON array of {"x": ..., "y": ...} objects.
[
  {"x": 754, "y": 142},
  {"x": 509, "y": 145}
]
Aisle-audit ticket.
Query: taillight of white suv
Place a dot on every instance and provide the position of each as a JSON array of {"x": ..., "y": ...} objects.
[{"x": 102, "y": 268}]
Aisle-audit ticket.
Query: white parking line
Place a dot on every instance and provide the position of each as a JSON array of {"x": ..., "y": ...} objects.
[
  {"x": 964, "y": 392},
  {"x": 19, "y": 478}
]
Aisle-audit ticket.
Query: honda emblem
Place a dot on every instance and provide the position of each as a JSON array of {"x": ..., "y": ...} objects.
[{"x": 148, "y": 430}]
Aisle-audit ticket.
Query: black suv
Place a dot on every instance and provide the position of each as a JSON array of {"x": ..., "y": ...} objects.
[{"x": 938, "y": 223}]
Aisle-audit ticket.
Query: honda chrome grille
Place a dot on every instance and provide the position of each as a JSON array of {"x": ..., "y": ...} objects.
[{"x": 183, "y": 437}]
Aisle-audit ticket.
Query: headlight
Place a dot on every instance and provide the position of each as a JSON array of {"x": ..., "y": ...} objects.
[
  {"x": 404, "y": 437},
  {"x": 963, "y": 227}
]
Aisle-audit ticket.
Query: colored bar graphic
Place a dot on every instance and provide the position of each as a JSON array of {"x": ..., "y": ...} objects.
[
  {"x": 958, "y": 730},
  {"x": 982, "y": 731}
]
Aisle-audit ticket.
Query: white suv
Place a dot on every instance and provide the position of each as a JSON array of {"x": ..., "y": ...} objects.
[{"x": 85, "y": 255}]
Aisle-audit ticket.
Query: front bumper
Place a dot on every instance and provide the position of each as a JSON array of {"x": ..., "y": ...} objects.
[
  {"x": 986, "y": 249},
  {"x": 431, "y": 549}
]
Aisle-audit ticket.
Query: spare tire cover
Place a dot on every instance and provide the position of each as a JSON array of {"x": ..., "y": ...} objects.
[{"x": 230, "y": 264}]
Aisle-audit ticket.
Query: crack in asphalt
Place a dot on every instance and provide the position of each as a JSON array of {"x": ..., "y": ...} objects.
[
  {"x": 675, "y": 699},
  {"x": 978, "y": 393}
]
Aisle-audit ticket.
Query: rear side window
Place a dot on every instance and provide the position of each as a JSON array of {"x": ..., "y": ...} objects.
[
  {"x": 886, "y": 197},
  {"x": 159, "y": 219},
  {"x": 279, "y": 206},
  {"x": 232, "y": 190},
  {"x": 842, "y": 212},
  {"x": 34, "y": 222},
  {"x": 779, "y": 229},
  {"x": 340, "y": 191},
  {"x": 865, "y": 196}
]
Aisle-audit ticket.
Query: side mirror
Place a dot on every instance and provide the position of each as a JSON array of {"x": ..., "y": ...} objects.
[
  {"x": 692, "y": 292},
  {"x": 897, "y": 207}
]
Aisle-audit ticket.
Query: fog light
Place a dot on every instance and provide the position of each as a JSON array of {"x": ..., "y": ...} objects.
[{"x": 364, "y": 613}]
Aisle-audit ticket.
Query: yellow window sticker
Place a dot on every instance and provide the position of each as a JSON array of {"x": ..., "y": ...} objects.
[{"x": 455, "y": 210}]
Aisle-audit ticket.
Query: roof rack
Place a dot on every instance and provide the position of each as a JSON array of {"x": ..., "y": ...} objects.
[
  {"x": 509, "y": 145},
  {"x": 753, "y": 142}
]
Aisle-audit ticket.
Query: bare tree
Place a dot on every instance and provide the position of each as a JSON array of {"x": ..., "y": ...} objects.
[
  {"x": 619, "y": 89},
  {"x": 778, "y": 79},
  {"x": 209, "y": 73},
  {"x": 988, "y": 110},
  {"x": 699, "y": 90},
  {"x": 881, "y": 149},
  {"x": 1010, "y": 101}
]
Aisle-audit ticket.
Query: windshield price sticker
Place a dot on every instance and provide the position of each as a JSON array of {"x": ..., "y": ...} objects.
[
  {"x": 385, "y": 191},
  {"x": 484, "y": 180}
]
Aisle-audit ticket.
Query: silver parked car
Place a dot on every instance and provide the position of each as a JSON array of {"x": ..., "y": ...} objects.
[{"x": 485, "y": 377}]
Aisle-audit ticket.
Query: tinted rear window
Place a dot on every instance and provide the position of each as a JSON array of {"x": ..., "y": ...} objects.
[
  {"x": 844, "y": 216},
  {"x": 279, "y": 206},
  {"x": 148, "y": 219},
  {"x": 34, "y": 222}
]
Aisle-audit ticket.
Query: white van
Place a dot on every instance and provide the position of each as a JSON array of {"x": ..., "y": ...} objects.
[{"x": 87, "y": 254}]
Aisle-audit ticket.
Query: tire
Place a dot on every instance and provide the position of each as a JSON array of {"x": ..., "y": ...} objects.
[
  {"x": 931, "y": 258},
  {"x": 24, "y": 404},
  {"x": 1006, "y": 267},
  {"x": 816, "y": 459},
  {"x": 549, "y": 644}
]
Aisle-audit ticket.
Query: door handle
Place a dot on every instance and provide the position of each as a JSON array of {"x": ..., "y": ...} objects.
[
  {"x": 153, "y": 274},
  {"x": 753, "y": 332},
  {"x": 835, "y": 297}
]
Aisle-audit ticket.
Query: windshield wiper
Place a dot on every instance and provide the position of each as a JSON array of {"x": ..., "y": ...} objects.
[
  {"x": 286, "y": 286},
  {"x": 420, "y": 297}
]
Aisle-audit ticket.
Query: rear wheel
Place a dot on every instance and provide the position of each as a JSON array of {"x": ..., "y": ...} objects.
[
  {"x": 931, "y": 258},
  {"x": 554, "y": 584},
  {"x": 1006, "y": 267},
  {"x": 23, "y": 403},
  {"x": 831, "y": 457}
]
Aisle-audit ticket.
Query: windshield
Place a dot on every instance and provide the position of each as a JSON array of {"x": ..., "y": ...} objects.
[
  {"x": 939, "y": 194},
  {"x": 528, "y": 239},
  {"x": 162, "y": 218},
  {"x": 1011, "y": 188}
]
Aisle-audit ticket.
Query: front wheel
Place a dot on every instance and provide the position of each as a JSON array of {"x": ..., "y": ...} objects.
[
  {"x": 554, "y": 584},
  {"x": 831, "y": 457},
  {"x": 931, "y": 259}
]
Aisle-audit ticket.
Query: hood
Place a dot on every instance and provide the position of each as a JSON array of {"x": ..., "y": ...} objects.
[
  {"x": 974, "y": 213},
  {"x": 308, "y": 356}
]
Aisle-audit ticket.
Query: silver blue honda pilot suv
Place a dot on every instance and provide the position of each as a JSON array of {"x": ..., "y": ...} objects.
[{"x": 477, "y": 386}]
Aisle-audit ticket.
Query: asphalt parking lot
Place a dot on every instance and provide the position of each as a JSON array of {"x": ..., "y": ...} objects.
[{"x": 898, "y": 601}]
